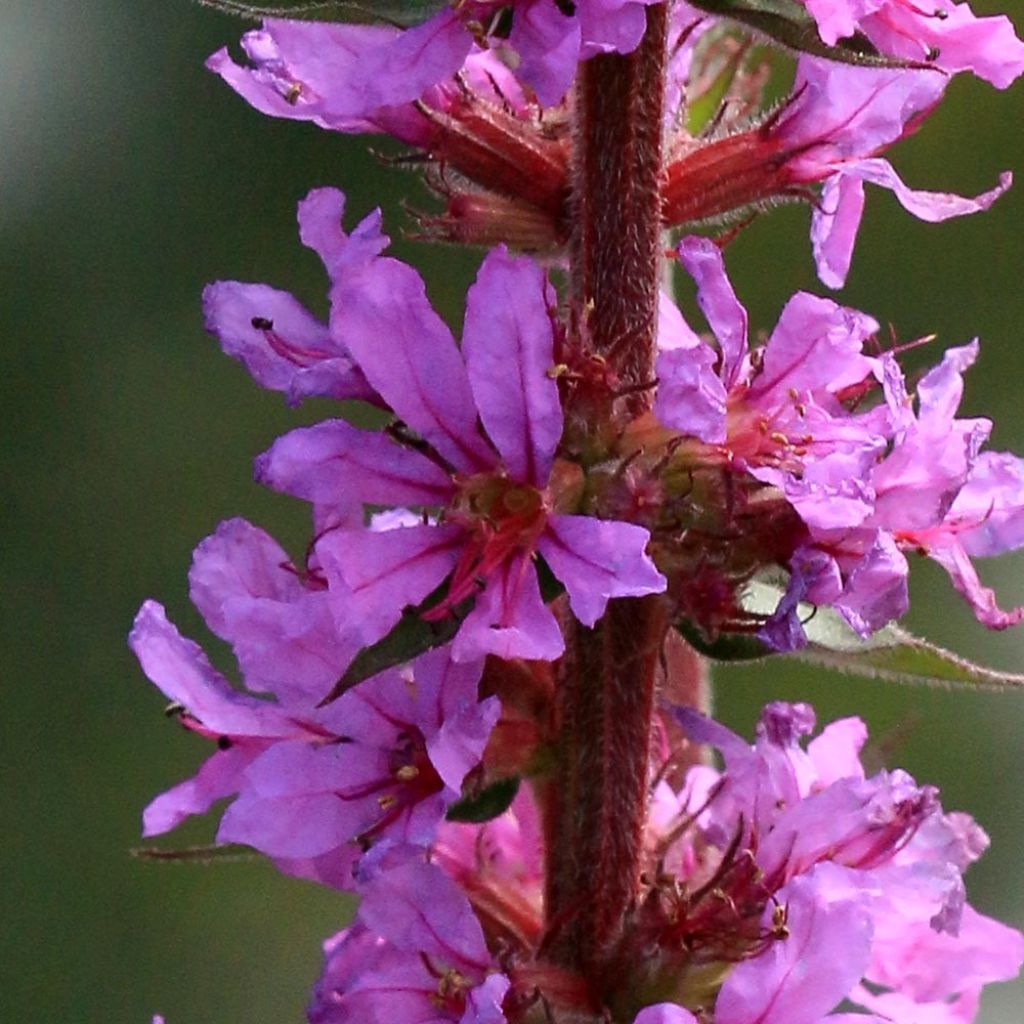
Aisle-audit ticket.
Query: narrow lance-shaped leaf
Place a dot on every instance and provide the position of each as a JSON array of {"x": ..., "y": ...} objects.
[
  {"x": 397, "y": 12},
  {"x": 789, "y": 24},
  {"x": 479, "y": 807},
  {"x": 891, "y": 653}
]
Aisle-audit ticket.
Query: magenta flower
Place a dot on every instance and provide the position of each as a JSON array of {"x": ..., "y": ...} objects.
[
  {"x": 416, "y": 953},
  {"x": 831, "y": 130},
  {"x": 382, "y": 762},
  {"x": 281, "y": 344},
  {"x": 941, "y": 32},
  {"x": 935, "y": 494},
  {"x": 859, "y": 880},
  {"x": 867, "y": 486},
  {"x": 344, "y": 75},
  {"x": 494, "y": 497}
]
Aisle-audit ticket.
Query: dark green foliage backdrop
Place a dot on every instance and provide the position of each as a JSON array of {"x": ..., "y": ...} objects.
[{"x": 129, "y": 177}]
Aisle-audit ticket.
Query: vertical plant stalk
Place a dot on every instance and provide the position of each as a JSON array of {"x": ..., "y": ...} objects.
[
  {"x": 617, "y": 224},
  {"x": 596, "y": 808}
]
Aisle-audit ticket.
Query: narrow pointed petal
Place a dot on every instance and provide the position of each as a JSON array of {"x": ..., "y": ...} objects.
[
  {"x": 834, "y": 225},
  {"x": 385, "y": 572},
  {"x": 220, "y": 776},
  {"x": 410, "y": 357},
  {"x": 964, "y": 577},
  {"x": 334, "y": 463},
  {"x": 717, "y": 300},
  {"x": 181, "y": 670},
  {"x": 928, "y": 206},
  {"x": 510, "y": 618},
  {"x": 598, "y": 559},
  {"x": 508, "y": 345}
]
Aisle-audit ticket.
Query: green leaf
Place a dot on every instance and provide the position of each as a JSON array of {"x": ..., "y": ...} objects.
[
  {"x": 726, "y": 646},
  {"x": 398, "y": 12},
  {"x": 414, "y": 635},
  {"x": 221, "y": 853},
  {"x": 410, "y": 638},
  {"x": 788, "y": 23},
  {"x": 891, "y": 653},
  {"x": 491, "y": 801}
]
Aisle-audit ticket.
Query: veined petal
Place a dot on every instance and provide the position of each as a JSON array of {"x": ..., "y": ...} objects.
[
  {"x": 548, "y": 44},
  {"x": 816, "y": 345},
  {"x": 508, "y": 346},
  {"x": 598, "y": 559},
  {"x": 690, "y": 396},
  {"x": 334, "y": 463},
  {"x": 950, "y": 554},
  {"x": 384, "y": 572},
  {"x": 280, "y": 343},
  {"x": 410, "y": 357},
  {"x": 297, "y": 825},
  {"x": 834, "y": 226},
  {"x": 803, "y": 976},
  {"x": 181, "y": 670},
  {"x": 220, "y": 776},
  {"x": 510, "y": 619}
]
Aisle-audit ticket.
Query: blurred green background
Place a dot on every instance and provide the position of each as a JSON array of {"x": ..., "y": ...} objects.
[{"x": 129, "y": 177}]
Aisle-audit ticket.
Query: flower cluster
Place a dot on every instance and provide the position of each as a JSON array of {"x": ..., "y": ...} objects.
[{"x": 450, "y": 704}]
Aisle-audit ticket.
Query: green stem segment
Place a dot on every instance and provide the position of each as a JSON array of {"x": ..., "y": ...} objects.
[{"x": 596, "y": 808}]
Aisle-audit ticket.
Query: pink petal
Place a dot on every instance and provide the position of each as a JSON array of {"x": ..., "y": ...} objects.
[
  {"x": 928, "y": 206},
  {"x": 950, "y": 554},
  {"x": 320, "y": 215},
  {"x": 834, "y": 226},
  {"x": 510, "y": 619},
  {"x": 717, "y": 300},
  {"x": 385, "y": 572},
  {"x": 295, "y": 355},
  {"x": 598, "y": 559},
  {"x": 409, "y": 356},
  {"x": 181, "y": 670},
  {"x": 816, "y": 345},
  {"x": 507, "y": 343},
  {"x": 800, "y": 978},
  {"x": 664, "y": 1013},
  {"x": 219, "y": 777},
  {"x": 334, "y": 463}
]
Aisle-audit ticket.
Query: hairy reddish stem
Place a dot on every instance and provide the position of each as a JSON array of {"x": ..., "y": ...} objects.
[
  {"x": 617, "y": 224},
  {"x": 598, "y": 807}
]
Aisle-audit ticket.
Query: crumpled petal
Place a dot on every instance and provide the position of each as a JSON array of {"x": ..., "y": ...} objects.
[
  {"x": 717, "y": 300},
  {"x": 282, "y": 345}
]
